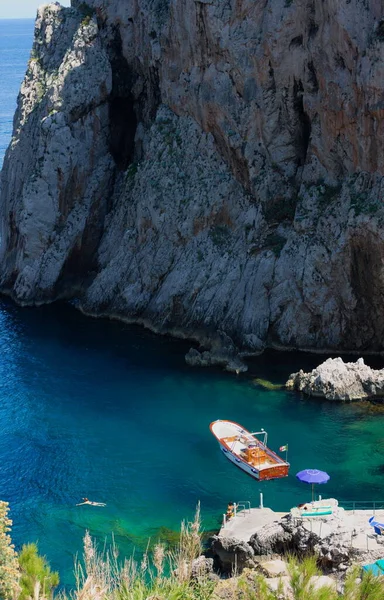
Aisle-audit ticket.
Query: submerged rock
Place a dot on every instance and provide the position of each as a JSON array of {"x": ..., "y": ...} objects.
[
  {"x": 267, "y": 385},
  {"x": 336, "y": 380}
]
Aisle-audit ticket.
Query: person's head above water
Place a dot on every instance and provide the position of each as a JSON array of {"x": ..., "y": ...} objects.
[{"x": 85, "y": 499}]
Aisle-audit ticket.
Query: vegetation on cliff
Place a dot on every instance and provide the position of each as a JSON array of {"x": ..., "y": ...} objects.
[
  {"x": 9, "y": 566},
  {"x": 164, "y": 575},
  {"x": 36, "y": 577}
]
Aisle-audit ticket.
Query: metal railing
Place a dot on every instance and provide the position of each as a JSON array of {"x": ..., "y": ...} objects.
[
  {"x": 245, "y": 508},
  {"x": 242, "y": 507},
  {"x": 353, "y": 505}
]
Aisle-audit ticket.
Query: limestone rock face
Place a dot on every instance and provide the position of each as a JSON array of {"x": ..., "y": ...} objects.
[
  {"x": 337, "y": 380},
  {"x": 58, "y": 171},
  {"x": 204, "y": 166}
]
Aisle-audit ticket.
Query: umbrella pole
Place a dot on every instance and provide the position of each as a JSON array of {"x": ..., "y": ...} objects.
[{"x": 313, "y": 492}]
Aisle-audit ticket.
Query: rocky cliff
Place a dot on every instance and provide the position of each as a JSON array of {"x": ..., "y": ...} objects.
[{"x": 206, "y": 167}]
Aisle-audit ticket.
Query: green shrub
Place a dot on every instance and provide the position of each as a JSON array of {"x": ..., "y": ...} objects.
[
  {"x": 361, "y": 204},
  {"x": 327, "y": 193},
  {"x": 280, "y": 209},
  {"x": 131, "y": 171},
  {"x": 86, "y": 21},
  {"x": 219, "y": 235},
  {"x": 301, "y": 583},
  {"x": 275, "y": 242},
  {"x": 35, "y": 574}
]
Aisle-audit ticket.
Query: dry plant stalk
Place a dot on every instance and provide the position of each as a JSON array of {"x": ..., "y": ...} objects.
[
  {"x": 190, "y": 546},
  {"x": 103, "y": 578},
  {"x": 158, "y": 559},
  {"x": 98, "y": 578}
]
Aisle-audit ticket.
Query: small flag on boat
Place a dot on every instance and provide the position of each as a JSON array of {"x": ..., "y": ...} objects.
[{"x": 283, "y": 448}]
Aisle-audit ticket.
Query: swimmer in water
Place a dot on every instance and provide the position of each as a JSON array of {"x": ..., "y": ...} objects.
[{"x": 86, "y": 501}]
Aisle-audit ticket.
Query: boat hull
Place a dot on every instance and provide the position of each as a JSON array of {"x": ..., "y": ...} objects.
[{"x": 277, "y": 470}]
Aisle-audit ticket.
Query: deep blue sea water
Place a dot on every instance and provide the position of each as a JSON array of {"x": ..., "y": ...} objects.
[
  {"x": 98, "y": 408},
  {"x": 15, "y": 47}
]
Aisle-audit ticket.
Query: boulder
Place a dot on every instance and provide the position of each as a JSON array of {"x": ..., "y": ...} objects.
[
  {"x": 284, "y": 536},
  {"x": 322, "y": 581},
  {"x": 271, "y": 539},
  {"x": 232, "y": 554},
  {"x": 280, "y": 584},
  {"x": 336, "y": 380},
  {"x": 202, "y": 566},
  {"x": 273, "y": 568}
]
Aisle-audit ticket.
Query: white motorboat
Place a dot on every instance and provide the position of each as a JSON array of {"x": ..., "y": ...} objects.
[{"x": 249, "y": 451}]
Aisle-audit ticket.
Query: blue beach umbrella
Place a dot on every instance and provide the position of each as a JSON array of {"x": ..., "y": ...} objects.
[{"x": 312, "y": 476}]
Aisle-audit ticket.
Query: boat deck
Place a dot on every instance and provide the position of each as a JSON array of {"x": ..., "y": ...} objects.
[{"x": 262, "y": 461}]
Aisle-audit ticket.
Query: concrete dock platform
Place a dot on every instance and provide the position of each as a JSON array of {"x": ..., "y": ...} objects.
[
  {"x": 248, "y": 521},
  {"x": 349, "y": 524}
]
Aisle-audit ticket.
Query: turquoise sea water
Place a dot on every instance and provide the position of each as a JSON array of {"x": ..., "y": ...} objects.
[{"x": 98, "y": 408}]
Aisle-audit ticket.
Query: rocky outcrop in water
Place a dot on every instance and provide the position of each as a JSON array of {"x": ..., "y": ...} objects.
[
  {"x": 336, "y": 380},
  {"x": 204, "y": 165}
]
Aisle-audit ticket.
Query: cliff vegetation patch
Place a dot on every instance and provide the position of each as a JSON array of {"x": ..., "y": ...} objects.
[
  {"x": 361, "y": 204},
  {"x": 220, "y": 235}
]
